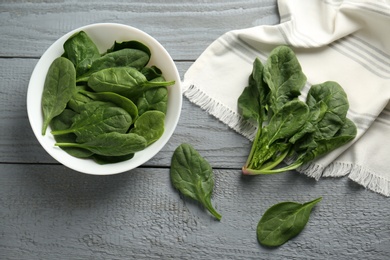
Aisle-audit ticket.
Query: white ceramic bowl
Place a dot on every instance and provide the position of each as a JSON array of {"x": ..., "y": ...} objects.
[{"x": 104, "y": 35}]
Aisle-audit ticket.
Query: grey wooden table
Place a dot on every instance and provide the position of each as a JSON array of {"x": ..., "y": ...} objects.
[{"x": 48, "y": 211}]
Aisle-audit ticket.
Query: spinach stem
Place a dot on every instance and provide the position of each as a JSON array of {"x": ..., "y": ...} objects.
[
  {"x": 248, "y": 171},
  {"x": 211, "y": 209},
  {"x": 253, "y": 149},
  {"x": 158, "y": 84},
  {"x": 275, "y": 163},
  {"x": 68, "y": 144},
  {"x": 61, "y": 132}
]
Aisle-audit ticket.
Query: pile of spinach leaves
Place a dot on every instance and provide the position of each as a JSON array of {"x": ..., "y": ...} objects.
[
  {"x": 288, "y": 127},
  {"x": 104, "y": 106}
]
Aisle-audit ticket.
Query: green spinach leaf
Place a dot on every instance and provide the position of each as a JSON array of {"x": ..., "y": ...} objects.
[
  {"x": 101, "y": 159},
  {"x": 193, "y": 176},
  {"x": 153, "y": 99},
  {"x": 116, "y": 99},
  {"x": 111, "y": 144},
  {"x": 150, "y": 125},
  {"x": 62, "y": 122},
  {"x": 283, "y": 221},
  {"x": 126, "y": 81},
  {"x": 59, "y": 87},
  {"x": 287, "y": 121},
  {"x": 283, "y": 75},
  {"x": 335, "y": 99},
  {"x": 129, "y": 45},
  {"x": 77, "y": 102},
  {"x": 151, "y": 72},
  {"x": 252, "y": 102},
  {"x": 134, "y": 58},
  {"x": 96, "y": 119},
  {"x": 81, "y": 51}
]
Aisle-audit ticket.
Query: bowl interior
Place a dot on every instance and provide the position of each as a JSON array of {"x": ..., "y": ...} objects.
[{"x": 104, "y": 36}]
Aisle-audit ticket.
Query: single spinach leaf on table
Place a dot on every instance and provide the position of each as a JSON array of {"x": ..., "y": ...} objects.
[
  {"x": 111, "y": 144},
  {"x": 96, "y": 119},
  {"x": 193, "y": 176},
  {"x": 59, "y": 87},
  {"x": 81, "y": 51},
  {"x": 150, "y": 125},
  {"x": 283, "y": 221},
  {"x": 126, "y": 81},
  {"x": 62, "y": 122},
  {"x": 136, "y": 59}
]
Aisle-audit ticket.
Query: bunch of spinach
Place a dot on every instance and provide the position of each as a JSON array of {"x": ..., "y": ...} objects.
[
  {"x": 287, "y": 126},
  {"x": 104, "y": 106}
]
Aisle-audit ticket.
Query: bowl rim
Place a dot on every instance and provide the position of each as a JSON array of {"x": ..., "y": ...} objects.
[{"x": 89, "y": 166}]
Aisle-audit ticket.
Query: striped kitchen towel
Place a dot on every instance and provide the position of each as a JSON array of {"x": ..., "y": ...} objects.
[{"x": 344, "y": 41}]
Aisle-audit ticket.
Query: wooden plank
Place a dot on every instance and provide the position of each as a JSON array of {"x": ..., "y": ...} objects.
[
  {"x": 50, "y": 212},
  {"x": 219, "y": 144},
  {"x": 185, "y": 28}
]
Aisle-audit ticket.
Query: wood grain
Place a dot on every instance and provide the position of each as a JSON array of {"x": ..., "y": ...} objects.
[
  {"x": 49, "y": 211},
  {"x": 185, "y": 28}
]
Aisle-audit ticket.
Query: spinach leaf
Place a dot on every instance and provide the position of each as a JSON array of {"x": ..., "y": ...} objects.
[
  {"x": 193, "y": 176},
  {"x": 287, "y": 120},
  {"x": 323, "y": 146},
  {"x": 59, "y": 87},
  {"x": 283, "y": 75},
  {"x": 62, "y": 122},
  {"x": 96, "y": 119},
  {"x": 126, "y": 81},
  {"x": 136, "y": 59},
  {"x": 77, "y": 102},
  {"x": 336, "y": 102},
  {"x": 111, "y": 144},
  {"x": 81, "y": 51},
  {"x": 252, "y": 102},
  {"x": 116, "y": 99},
  {"x": 283, "y": 221},
  {"x": 129, "y": 45},
  {"x": 150, "y": 125},
  {"x": 101, "y": 159},
  {"x": 151, "y": 72},
  {"x": 153, "y": 99}
]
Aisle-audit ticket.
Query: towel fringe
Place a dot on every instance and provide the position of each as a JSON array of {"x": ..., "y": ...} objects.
[
  {"x": 356, "y": 173},
  {"x": 370, "y": 180},
  {"x": 221, "y": 112},
  {"x": 312, "y": 170}
]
